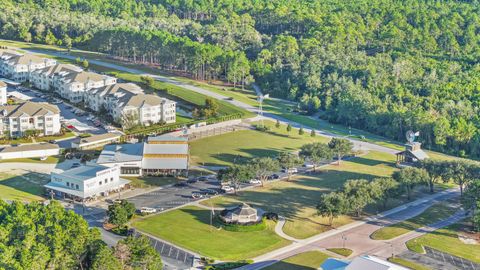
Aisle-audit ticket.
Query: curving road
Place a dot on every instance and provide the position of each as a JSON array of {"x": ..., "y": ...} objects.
[{"x": 359, "y": 145}]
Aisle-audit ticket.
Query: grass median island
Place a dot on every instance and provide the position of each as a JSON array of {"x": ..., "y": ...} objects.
[
  {"x": 431, "y": 215},
  {"x": 189, "y": 227},
  {"x": 226, "y": 148},
  {"x": 407, "y": 263},
  {"x": 304, "y": 261},
  {"x": 297, "y": 199},
  {"x": 446, "y": 240},
  {"x": 345, "y": 252},
  {"x": 151, "y": 181},
  {"x": 26, "y": 187}
]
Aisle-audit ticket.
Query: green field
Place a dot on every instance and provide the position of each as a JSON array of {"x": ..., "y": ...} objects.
[
  {"x": 304, "y": 261},
  {"x": 49, "y": 160},
  {"x": 297, "y": 199},
  {"x": 235, "y": 146},
  {"x": 27, "y": 187},
  {"x": 433, "y": 214},
  {"x": 189, "y": 227},
  {"x": 446, "y": 240},
  {"x": 408, "y": 264}
]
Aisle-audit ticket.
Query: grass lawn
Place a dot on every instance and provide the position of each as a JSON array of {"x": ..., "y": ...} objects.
[
  {"x": 345, "y": 252},
  {"x": 297, "y": 199},
  {"x": 151, "y": 181},
  {"x": 26, "y": 187},
  {"x": 303, "y": 261},
  {"x": 226, "y": 148},
  {"x": 50, "y": 160},
  {"x": 407, "y": 263},
  {"x": 189, "y": 227},
  {"x": 433, "y": 214},
  {"x": 446, "y": 240}
]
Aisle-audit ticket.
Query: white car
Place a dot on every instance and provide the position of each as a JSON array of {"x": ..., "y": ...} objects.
[
  {"x": 147, "y": 210},
  {"x": 308, "y": 165},
  {"x": 227, "y": 189},
  {"x": 291, "y": 170},
  {"x": 255, "y": 182}
]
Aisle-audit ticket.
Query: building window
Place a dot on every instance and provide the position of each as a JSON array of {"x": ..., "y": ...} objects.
[
  {"x": 68, "y": 184},
  {"x": 76, "y": 186},
  {"x": 111, "y": 179},
  {"x": 106, "y": 180},
  {"x": 100, "y": 183}
]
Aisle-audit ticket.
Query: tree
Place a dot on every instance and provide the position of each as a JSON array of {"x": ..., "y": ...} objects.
[
  {"x": 141, "y": 254},
  {"x": 300, "y": 131},
  {"x": 435, "y": 169},
  {"x": 129, "y": 120},
  {"x": 461, "y": 172},
  {"x": 384, "y": 189},
  {"x": 471, "y": 200},
  {"x": 277, "y": 124},
  {"x": 289, "y": 128},
  {"x": 147, "y": 80},
  {"x": 264, "y": 167},
  {"x": 236, "y": 174},
  {"x": 104, "y": 259},
  {"x": 358, "y": 194},
  {"x": 409, "y": 177},
  {"x": 120, "y": 213},
  {"x": 289, "y": 161},
  {"x": 316, "y": 153},
  {"x": 332, "y": 205},
  {"x": 312, "y": 133},
  {"x": 340, "y": 147},
  {"x": 85, "y": 63}
]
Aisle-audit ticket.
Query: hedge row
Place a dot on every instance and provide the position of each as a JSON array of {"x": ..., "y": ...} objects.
[{"x": 262, "y": 225}]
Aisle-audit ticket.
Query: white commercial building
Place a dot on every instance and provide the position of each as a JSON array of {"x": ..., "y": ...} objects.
[
  {"x": 18, "y": 66},
  {"x": 29, "y": 151},
  {"x": 158, "y": 156},
  {"x": 365, "y": 262},
  {"x": 3, "y": 93},
  {"x": 86, "y": 182},
  {"x": 16, "y": 120}
]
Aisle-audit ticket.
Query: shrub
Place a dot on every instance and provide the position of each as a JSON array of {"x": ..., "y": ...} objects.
[
  {"x": 120, "y": 230},
  {"x": 271, "y": 216},
  {"x": 260, "y": 226},
  {"x": 262, "y": 128}
]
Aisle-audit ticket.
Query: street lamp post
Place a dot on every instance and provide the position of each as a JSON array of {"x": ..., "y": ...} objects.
[
  {"x": 344, "y": 238},
  {"x": 260, "y": 100}
]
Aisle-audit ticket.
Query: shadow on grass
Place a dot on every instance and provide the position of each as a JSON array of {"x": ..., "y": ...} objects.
[
  {"x": 281, "y": 265},
  {"x": 29, "y": 183},
  {"x": 371, "y": 162}
]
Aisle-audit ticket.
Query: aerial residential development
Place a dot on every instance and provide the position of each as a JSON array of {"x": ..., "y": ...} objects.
[{"x": 248, "y": 135}]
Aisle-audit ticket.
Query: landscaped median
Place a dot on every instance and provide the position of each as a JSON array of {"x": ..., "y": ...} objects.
[
  {"x": 435, "y": 213},
  {"x": 447, "y": 240},
  {"x": 189, "y": 227}
]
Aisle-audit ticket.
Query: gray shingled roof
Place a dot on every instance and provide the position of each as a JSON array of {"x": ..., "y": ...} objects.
[
  {"x": 84, "y": 77},
  {"x": 29, "y": 108},
  {"x": 140, "y": 100},
  {"x": 58, "y": 68},
  {"x": 118, "y": 87},
  {"x": 243, "y": 210}
]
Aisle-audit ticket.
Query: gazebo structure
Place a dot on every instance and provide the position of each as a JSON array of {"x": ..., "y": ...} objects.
[
  {"x": 412, "y": 153},
  {"x": 242, "y": 214}
]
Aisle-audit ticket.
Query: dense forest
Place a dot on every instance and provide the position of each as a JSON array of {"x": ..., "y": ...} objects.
[{"x": 385, "y": 66}]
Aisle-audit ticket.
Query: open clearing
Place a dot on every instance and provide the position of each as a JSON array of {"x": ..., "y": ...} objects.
[
  {"x": 304, "y": 261},
  {"x": 297, "y": 199},
  {"x": 189, "y": 227},
  {"x": 239, "y": 145},
  {"x": 24, "y": 187}
]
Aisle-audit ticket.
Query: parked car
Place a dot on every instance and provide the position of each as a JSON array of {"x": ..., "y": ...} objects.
[
  {"x": 209, "y": 191},
  {"x": 180, "y": 184},
  {"x": 192, "y": 180},
  {"x": 227, "y": 189},
  {"x": 290, "y": 170},
  {"x": 75, "y": 165},
  {"x": 202, "y": 178},
  {"x": 147, "y": 210},
  {"x": 197, "y": 195},
  {"x": 273, "y": 176},
  {"x": 52, "y": 141},
  {"x": 308, "y": 165},
  {"x": 255, "y": 182},
  {"x": 69, "y": 156}
]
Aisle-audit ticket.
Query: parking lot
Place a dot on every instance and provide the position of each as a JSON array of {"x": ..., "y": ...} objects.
[{"x": 66, "y": 110}]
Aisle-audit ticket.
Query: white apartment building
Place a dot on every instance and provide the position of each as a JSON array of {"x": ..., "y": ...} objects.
[
  {"x": 74, "y": 86},
  {"x": 43, "y": 78},
  {"x": 89, "y": 181},
  {"x": 105, "y": 97},
  {"x": 16, "y": 119},
  {"x": 149, "y": 109},
  {"x": 17, "y": 66},
  {"x": 3, "y": 93}
]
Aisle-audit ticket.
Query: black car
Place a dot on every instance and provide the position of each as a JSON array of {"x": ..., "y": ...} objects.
[
  {"x": 202, "y": 178},
  {"x": 273, "y": 176},
  {"x": 180, "y": 184},
  {"x": 191, "y": 181},
  {"x": 209, "y": 191}
]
